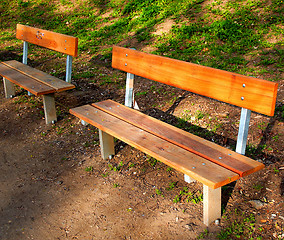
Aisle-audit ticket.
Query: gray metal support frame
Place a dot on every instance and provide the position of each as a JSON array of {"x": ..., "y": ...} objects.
[
  {"x": 25, "y": 52},
  {"x": 68, "y": 68},
  {"x": 25, "y": 57},
  {"x": 49, "y": 108},
  {"x": 243, "y": 131},
  {"x": 8, "y": 88},
  {"x": 129, "y": 90}
]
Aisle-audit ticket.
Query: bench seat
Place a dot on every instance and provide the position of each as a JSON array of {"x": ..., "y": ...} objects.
[
  {"x": 209, "y": 163},
  {"x": 35, "y": 81},
  {"x": 31, "y": 79}
]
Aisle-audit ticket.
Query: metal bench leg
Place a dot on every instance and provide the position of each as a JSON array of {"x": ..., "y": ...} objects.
[
  {"x": 49, "y": 108},
  {"x": 188, "y": 179},
  {"x": 211, "y": 204},
  {"x": 9, "y": 88},
  {"x": 107, "y": 144}
]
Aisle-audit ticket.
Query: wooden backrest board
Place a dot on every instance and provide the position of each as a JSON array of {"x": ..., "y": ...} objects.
[
  {"x": 251, "y": 93},
  {"x": 51, "y": 40}
]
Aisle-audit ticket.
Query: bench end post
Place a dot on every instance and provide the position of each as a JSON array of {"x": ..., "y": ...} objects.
[
  {"x": 9, "y": 88},
  {"x": 211, "y": 204},
  {"x": 49, "y": 108},
  {"x": 107, "y": 144}
]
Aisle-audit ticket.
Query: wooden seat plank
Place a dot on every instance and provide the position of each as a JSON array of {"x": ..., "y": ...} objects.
[
  {"x": 243, "y": 91},
  {"x": 184, "y": 161},
  {"x": 40, "y": 76},
  {"x": 229, "y": 159},
  {"x": 25, "y": 81}
]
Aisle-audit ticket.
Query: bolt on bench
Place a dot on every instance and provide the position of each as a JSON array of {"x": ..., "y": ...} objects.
[
  {"x": 197, "y": 158},
  {"x": 36, "y": 81}
]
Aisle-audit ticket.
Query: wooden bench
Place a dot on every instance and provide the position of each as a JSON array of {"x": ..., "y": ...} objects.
[
  {"x": 33, "y": 80},
  {"x": 197, "y": 158}
]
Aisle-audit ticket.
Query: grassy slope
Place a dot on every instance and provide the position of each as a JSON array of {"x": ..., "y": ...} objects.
[{"x": 241, "y": 36}]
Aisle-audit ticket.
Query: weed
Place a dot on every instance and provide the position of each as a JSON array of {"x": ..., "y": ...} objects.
[
  {"x": 169, "y": 169},
  {"x": 237, "y": 229},
  {"x": 275, "y": 170},
  {"x": 43, "y": 134},
  {"x": 131, "y": 165},
  {"x": 176, "y": 199},
  {"x": 59, "y": 130},
  {"x": 159, "y": 192},
  {"x": 89, "y": 169},
  {"x": 105, "y": 174},
  {"x": 262, "y": 126},
  {"x": 199, "y": 115},
  {"x": 172, "y": 185},
  {"x": 185, "y": 194},
  {"x": 203, "y": 235},
  {"x": 115, "y": 168},
  {"x": 276, "y": 137},
  {"x": 152, "y": 161},
  {"x": 115, "y": 185},
  {"x": 141, "y": 93},
  {"x": 257, "y": 186}
]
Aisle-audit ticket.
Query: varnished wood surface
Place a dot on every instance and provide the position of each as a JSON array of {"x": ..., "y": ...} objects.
[
  {"x": 24, "y": 81},
  {"x": 222, "y": 156},
  {"x": 56, "y": 83},
  {"x": 51, "y": 40},
  {"x": 184, "y": 161},
  {"x": 247, "y": 92}
]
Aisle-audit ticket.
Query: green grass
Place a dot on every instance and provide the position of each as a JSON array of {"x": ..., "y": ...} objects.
[{"x": 215, "y": 34}]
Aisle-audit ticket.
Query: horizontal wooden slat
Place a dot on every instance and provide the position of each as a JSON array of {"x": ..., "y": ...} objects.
[
  {"x": 247, "y": 92},
  {"x": 25, "y": 81},
  {"x": 184, "y": 161},
  {"x": 51, "y": 40},
  {"x": 222, "y": 156},
  {"x": 40, "y": 76}
]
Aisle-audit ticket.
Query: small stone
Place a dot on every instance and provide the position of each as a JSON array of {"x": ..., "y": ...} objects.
[
  {"x": 59, "y": 182},
  {"x": 224, "y": 115},
  {"x": 177, "y": 219},
  {"x": 188, "y": 226},
  {"x": 217, "y": 222},
  {"x": 256, "y": 204}
]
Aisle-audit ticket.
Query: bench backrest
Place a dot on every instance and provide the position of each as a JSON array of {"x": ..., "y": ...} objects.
[
  {"x": 251, "y": 94},
  {"x": 246, "y": 92},
  {"x": 51, "y": 40}
]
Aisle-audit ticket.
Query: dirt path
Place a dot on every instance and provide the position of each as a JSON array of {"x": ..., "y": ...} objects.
[{"x": 54, "y": 185}]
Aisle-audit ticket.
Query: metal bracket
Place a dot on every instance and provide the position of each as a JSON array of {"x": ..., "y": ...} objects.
[
  {"x": 68, "y": 68},
  {"x": 243, "y": 131}
]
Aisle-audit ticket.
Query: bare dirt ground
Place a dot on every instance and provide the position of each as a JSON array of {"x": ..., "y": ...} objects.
[{"x": 54, "y": 184}]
